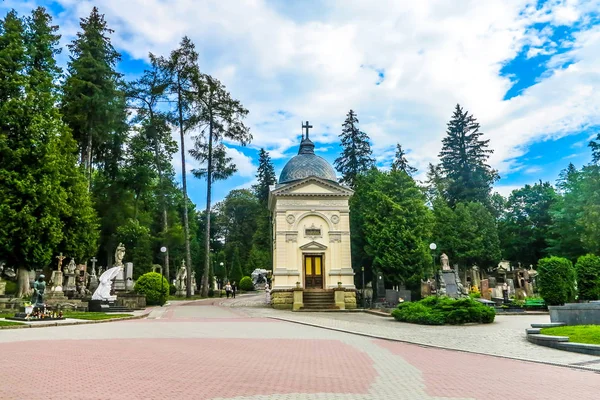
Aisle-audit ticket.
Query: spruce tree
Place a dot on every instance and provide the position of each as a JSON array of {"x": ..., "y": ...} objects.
[
  {"x": 265, "y": 175},
  {"x": 356, "y": 151},
  {"x": 401, "y": 163},
  {"x": 92, "y": 103},
  {"x": 595, "y": 146},
  {"x": 464, "y": 159}
]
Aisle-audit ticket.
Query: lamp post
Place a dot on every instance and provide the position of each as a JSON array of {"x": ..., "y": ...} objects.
[
  {"x": 221, "y": 287},
  {"x": 362, "y": 269},
  {"x": 432, "y": 247},
  {"x": 163, "y": 250}
]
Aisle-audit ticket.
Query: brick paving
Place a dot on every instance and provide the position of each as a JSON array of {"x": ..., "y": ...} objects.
[{"x": 208, "y": 350}]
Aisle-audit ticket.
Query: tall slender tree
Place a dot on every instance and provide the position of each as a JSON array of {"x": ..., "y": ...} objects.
[
  {"x": 147, "y": 95},
  {"x": 182, "y": 68},
  {"x": 356, "y": 151},
  {"x": 221, "y": 118},
  {"x": 400, "y": 162},
  {"x": 464, "y": 159},
  {"x": 92, "y": 103},
  {"x": 261, "y": 253},
  {"x": 265, "y": 175}
]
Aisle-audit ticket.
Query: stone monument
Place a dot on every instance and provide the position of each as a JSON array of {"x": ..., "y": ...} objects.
[
  {"x": 193, "y": 282},
  {"x": 180, "y": 280},
  {"x": 70, "y": 284},
  {"x": 93, "y": 278},
  {"x": 102, "y": 293},
  {"x": 449, "y": 280},
  {"x": 120, "y": 277},
  {"x": 39, "y": 288}
]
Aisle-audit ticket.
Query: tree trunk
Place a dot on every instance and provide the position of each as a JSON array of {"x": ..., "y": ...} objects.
[
  {"x": 205, "y": 273},
  {"x": 186, "y": 226},
  {"x": 89, "y": 161},
  {"x": 23, "y": 282}
]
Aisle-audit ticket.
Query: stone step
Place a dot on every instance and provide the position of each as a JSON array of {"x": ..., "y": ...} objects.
[
  {"x": 323, "y": 306},
  {"x": 548, "y": 325}
]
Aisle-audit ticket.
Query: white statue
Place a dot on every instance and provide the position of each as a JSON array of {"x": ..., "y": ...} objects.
[
  {"x": 268, "y": 293},
  {"x": 119, "y": 255},
  {"x": 105, "y": 284},
  {"x": 445, "y": 262},
  {"x": 181, "y": 278}
]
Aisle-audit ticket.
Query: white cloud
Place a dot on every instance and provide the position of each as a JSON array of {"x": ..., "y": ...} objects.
[
  {"x": 533, "y": 170},
  {"x": 433, "y": 53}
]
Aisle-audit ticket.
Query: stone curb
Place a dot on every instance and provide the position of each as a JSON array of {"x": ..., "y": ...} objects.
[
  {"x": 561, "y": 342},
  {"x": 81, "y": 322},
  {"x": 579, "y": 367}
]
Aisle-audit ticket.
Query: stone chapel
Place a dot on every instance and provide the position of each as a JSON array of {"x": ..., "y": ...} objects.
[{"x": 311, "y": 235}]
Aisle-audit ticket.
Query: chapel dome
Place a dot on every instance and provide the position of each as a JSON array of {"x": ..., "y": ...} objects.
[{"x": 306, "y": 164}]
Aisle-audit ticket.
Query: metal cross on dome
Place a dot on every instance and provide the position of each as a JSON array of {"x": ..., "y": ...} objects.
[{"x": 307, "y": 127}]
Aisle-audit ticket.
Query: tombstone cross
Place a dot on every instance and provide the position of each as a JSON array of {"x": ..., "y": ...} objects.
[
  {"x": 307, "y": 127},
  {"x": 93, "y": 261},
  {"x": 60, "y": 260}
]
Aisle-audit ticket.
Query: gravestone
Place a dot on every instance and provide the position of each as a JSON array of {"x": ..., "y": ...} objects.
[
  {"x": 492, "y": 281},
  {"x": 450, "y": 283},
  {"x": 425, "y": 289},
  {"x": 511, "y": 285},
  {"x": 485, "y": 289}
]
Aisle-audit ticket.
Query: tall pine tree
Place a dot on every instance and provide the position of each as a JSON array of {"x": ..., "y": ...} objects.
[
  {"x": 261, "y": 253},
  {"x": 356, "y": 151},
  {"x": 464, "y": 159},
  {"x": 401, "y": 163},
  {"x": 265, "y": 176}
]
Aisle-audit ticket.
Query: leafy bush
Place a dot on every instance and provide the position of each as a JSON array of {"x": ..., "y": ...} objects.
[
  {"x": 435, "y": 310},
  {"x": 150, "y": 285},
  {"x": 246, "y": 284},
  {"x": 588, "y": 277},
  {"x": 11, "y": 287},
  {"x": 556, "y": 280},
  {"x": 172, "y": 289}
]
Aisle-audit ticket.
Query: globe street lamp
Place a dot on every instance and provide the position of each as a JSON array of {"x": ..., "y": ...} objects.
[
  {"x": 433, "y": 247},
  {"x": 163, "y": 250}
]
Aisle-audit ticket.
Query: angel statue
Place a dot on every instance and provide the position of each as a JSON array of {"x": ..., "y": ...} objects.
[
  {"x": 105, "y": 285},
  {"x": 119, "y": 255}
]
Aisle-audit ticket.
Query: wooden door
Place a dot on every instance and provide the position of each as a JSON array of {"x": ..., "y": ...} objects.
[{"x": 313, "y": 272}]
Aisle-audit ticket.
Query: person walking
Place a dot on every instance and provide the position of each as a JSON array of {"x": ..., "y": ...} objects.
[
  {"x": 228, "y": 289},
  {"x": 233, "y": 289}
]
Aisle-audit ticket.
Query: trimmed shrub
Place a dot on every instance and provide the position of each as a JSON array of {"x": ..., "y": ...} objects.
[
  {"x": 246, "y": 284},
  {"x": 556, "y": 280},
  {"x": 150, "y": 285},
  {"x": 435, "y": 310},
  {"x": 588, "y": 277}
]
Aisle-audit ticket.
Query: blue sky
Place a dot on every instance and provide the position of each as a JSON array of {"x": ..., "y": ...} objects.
[{"x": 528, "y": 70}]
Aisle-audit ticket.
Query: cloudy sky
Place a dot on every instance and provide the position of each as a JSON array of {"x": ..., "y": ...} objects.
[{"x": 529, "y": 71}]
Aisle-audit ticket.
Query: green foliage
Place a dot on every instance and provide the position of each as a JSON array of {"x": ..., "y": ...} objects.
[
  {"x": 556, "y": 280},
  {"x": 236, "y": 273},
  {"x": 137, "y": 239},
  {"x": 464, "y": 159},
  {"x": 526, "y": 223},
  {"x": 391, "y": 227},
  {"x": 172, "y": 290},
  {"x": 356, "y": 151},
  {"x": 588, "y": 277},
  {"x": 150, "y": 285},
  {"x": 246, "y": 284},
  {"x": 467, "y": 234},
  {"x": 265, "y": 175},
  {"x": 11, "y": 288},
  {"x": 400, "y": 162},
  {"x": 435, "y": 310}
]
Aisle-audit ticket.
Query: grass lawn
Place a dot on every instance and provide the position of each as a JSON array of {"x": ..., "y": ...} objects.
[
  {"x": 9, "y": 323},
  {"x": 92, "y": 315},
  {"x": 577, "y": 334}
]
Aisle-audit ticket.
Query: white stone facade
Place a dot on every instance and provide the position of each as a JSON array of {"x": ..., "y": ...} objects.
[{"x": 311, "y": 219}]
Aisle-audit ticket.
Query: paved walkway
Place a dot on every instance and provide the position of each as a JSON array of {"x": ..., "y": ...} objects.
[
  {"x": 205, "y": 350},
  {"x": 505, "y": 337}
]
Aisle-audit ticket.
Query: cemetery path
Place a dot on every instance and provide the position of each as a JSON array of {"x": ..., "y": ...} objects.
[{"x": 209, "y": 350}]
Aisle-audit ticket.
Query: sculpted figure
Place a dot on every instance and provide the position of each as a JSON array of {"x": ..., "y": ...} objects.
[
  {"x": 445, "y": 262},
  {"x": 181, "y": 277},
  {"x": 119, "y": 255},
  {"x": 105, "y": 285},
  {"x": 39, "y": 287},
  {"x": 71, "y": 267}
]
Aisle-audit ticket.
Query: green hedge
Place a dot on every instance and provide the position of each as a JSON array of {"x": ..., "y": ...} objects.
[
  {"x": 150, "y": 285},
  {"x": 246, "y": 284},
  {"x": 556, "y": 280},
  {"x": 434, "y": 310},
  {"x": 588, "y": 277},
  {"x": 11, "y": 288}
]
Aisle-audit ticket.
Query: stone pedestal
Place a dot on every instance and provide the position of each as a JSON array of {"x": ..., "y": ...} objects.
[
  {"x": 339, "y": 297},
  {"x": 57, "y": 282},
  {"x": 298, "y": 299},
  {"x": 119, "y": 284},
  {"x": 450, "y": 284},
  {"x": 93, "y": 283},
  {"x": 70, "y": 285}
]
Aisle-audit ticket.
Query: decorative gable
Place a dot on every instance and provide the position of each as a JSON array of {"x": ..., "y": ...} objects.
[
  {"x": 312, "y": 186},
  {"x": 313, "y": 246}
]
